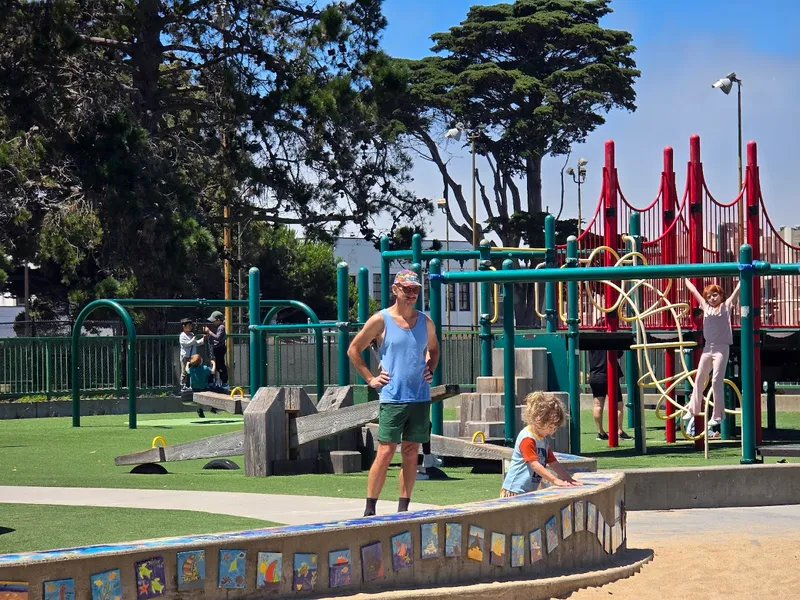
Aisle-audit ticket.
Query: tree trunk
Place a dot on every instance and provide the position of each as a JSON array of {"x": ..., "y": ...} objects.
[
  {"x": 524, "y": 313},
  {"x": 533, "y": 179}
]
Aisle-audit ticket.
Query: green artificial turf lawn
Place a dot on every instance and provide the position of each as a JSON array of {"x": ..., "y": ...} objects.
[
  {"x": 27, "y": 528},
  {"x": 49, "y": 452}
]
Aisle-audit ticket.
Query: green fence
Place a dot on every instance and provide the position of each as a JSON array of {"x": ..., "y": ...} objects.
[{"x": 39, "y": 366}]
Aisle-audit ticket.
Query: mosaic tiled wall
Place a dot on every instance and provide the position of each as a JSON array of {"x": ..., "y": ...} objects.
[{"x": 533, "y": 534}]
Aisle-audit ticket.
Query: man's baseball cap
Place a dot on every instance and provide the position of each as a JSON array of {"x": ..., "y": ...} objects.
[
  {"x": 407, "y": 277},
  {"x": 215, "y": 315}
]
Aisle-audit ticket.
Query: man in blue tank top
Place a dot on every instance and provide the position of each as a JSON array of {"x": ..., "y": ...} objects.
[{"x": 409, "y": 352}]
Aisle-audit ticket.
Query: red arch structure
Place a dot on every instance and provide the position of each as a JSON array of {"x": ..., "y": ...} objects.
[{"x": 696, "y": 227}]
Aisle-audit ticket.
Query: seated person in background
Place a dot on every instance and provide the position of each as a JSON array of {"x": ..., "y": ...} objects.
[{"x": 202, "y": 378}]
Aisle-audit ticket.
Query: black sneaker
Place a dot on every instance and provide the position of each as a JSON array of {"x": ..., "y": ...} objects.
[
  {"x": 214, "y": 411},
  {"x": 624, "y": 436},
  {"x": 200, "y": 413},
  {"x": 601, "y": 437}
]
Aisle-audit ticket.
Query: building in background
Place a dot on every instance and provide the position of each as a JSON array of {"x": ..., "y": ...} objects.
[{"x": 359, "y": 253}]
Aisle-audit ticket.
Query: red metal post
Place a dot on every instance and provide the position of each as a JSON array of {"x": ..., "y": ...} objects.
[
  {"x": 670, "y": 253},
  {"x": 611, "y": 295},
  {"x": 696, "y": 250},
  {"x": 753, "y": 196}
]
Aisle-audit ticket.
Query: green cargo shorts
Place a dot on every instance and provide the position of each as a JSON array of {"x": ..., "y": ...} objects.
[{"x": 407, "y": 422}]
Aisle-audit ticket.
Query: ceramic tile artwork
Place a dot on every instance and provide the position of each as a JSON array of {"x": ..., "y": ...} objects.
[
  {"x": 566, "y": 521},
  {"x": 59, "y": 589},
  {"x": 452, "y": 539},
  {"x": 551, "y": 529},
  {"x": 372, "y": 561},
  {"x": 269, "y": 569},
  {"x": 607, "y": 538},
  {"x": 497, "y": 549},
  {"x": 150, "y": 579},
  {"x": 305, "y": 572},
  {"x": 535, "y": 541},
  {"x": 617, "y": 511},
  {"x": 231, "y": 569},
  {"x": 106, "y": 585},
  {"x": 402, "y": 551},
  {"x": 591, "y": 517},
  {"x": 13, "y": 590},
  {"x": 191, "y": 570},
  {"x": 579, "y": 522},
  {"x": 476, "y": 543},
  {"x": 517, "y": 550},
  {"x": 617, "y": 536},
  {"x": 601, "y": 528},
  {"x": 429, "y": 540},
  {"x": 339, "y": 568}
]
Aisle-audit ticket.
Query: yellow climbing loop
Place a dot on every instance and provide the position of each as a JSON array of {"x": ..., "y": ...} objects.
[
  {"x": 636, "y": 314},
  {"x": 648, "y": 380},
  {"x": 158, "y": 439},
  {"x": 478, "y": 434},
  {"x": 239, "y": 390}
]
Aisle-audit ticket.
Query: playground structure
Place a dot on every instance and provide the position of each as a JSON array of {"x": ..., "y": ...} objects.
[{"x": 653, "y": 242}]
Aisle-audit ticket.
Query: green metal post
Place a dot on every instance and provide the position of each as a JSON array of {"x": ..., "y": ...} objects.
[
  {"x": 343, "y": 304},
  {"x": 748, "y": 366},
  {"x": 485, "y": 320},
  {"x": 631, "y": 362},
  {"x": 551, "y": 318},
  {"x": 386, "y": 285},
  {"x": 770, "y": 405},
  {"x": 130, "y": 359},
  {"x": 727, "y": 425},
  {"x": 363, "y": 311},
  {"x": 437, "y": 410},
  {"x": 509, "y": 367},
  {"x": 254, "y": 283},
  {"x": 416, "y": 259},
  {"x": 573, "y": 355}
]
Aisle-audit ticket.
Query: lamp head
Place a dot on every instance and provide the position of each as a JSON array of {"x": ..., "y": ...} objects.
[
  {"x": 582, "y": 162},
  {"x": 455, "y": 132},
  {"x": 570, "y": 171},
  {"x": 442, "y": 203},
  {"x": 725, "y": 84}
]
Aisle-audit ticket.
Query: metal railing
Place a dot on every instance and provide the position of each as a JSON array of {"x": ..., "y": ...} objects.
[{"x": 40, "y": 366}]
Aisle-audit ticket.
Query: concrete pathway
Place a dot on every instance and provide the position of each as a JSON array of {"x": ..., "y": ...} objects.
[
  {"x": 643, "y": 526},
  {"x": 287, "y": 510}
]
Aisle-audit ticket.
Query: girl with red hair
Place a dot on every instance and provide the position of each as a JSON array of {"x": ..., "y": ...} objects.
[{"x": 718, "y": 339}]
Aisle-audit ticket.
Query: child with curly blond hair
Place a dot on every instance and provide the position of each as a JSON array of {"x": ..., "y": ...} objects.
[{"x": 543, "y": 414}]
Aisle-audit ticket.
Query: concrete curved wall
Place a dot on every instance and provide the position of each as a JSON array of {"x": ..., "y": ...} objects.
[{"x": 235, "y": 564}]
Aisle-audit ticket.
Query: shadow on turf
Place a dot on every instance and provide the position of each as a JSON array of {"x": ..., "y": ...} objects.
[{"x": 6, "y": 530}]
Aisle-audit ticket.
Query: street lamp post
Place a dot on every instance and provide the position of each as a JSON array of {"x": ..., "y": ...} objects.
[
  {"x": 726, "y": 85},
  {"x": 455, "y": 133},
  {"x": 442, "y": 202},
  {"x": 579, "y": 177}
]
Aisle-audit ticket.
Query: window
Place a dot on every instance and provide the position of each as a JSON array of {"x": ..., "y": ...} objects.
[
  {"x": 426, "y": 298},
  {"x": 464, "y": 296},
  {"x": 450, "y": 291},
  {"x": 376, "y": 287}
]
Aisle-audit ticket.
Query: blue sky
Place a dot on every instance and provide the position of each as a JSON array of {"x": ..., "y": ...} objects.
[{"x": 682, "y": 48}]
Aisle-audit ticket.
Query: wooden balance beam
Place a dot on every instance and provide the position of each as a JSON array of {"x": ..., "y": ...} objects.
[
  {"x": 303, "y": 431},
  {"x": 233, "y": 405},
  {"x": 458, "y": 448}
]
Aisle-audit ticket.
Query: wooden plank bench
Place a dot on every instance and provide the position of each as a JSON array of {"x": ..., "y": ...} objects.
[{"x": 792, "y": 450}]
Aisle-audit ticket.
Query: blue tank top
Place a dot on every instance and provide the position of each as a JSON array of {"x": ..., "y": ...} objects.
[{"x": 402, "y": 353}]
